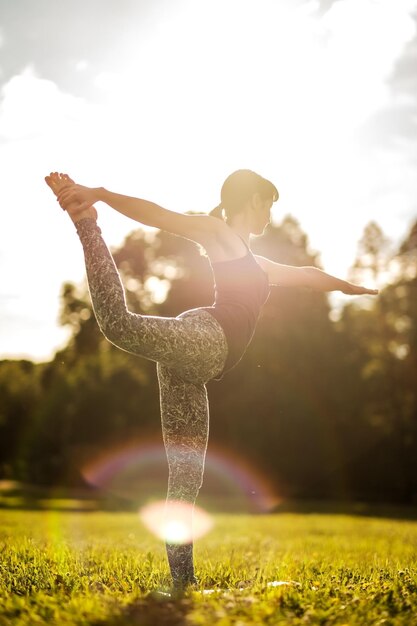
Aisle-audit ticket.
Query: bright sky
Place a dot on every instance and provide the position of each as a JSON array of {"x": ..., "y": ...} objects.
[{"x": 164, "y": 98}]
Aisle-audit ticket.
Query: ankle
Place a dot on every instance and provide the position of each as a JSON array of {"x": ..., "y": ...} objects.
[{"x": 76, "y": 216}]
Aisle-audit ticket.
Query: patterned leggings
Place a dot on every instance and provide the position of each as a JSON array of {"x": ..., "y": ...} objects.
[{"x": 189, "y": 350}]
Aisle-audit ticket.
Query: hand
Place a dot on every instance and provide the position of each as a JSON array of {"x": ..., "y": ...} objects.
[
  {"x": 59, "y": 182},
  {"x": 357, "y": 290},
  {"x": 85, "y": 197}
]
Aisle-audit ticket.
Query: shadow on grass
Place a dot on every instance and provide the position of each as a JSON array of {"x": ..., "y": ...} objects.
[{"x": 151, "y": 611}]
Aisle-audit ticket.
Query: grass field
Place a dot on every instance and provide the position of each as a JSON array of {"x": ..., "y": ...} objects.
[{"x": 98, "y": 568}]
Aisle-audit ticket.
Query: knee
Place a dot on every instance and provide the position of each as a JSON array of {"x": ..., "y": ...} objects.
[
  {"x": 109, "y": 331},
  {"x": 115, "y": 334}
]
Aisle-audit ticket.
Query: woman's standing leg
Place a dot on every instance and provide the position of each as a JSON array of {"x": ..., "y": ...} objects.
[{"x": 185, "y": 426}]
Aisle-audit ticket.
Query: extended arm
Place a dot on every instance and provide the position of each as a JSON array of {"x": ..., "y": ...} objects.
[
  {"x": 195, "y": 227},
  {"x": 312, "y": 277}
]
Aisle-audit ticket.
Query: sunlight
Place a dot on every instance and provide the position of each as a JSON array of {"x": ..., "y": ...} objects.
[
  {"x": 176, "y": 531},
  {"x": 277, "y": 87},
  {"x": 176, "y": 521},
  {"x": 290, "y": 104},
  {"x": 158, "y": 287}
]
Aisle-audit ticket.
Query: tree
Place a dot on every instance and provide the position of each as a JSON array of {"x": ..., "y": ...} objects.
[
  {"x": 324, "y": 408},
  {"x": 288, "y": 376},
  {"x": 373, "y": 256},
  {"x": 20, "y": 393},
  {"x": 379, "y": 348}
]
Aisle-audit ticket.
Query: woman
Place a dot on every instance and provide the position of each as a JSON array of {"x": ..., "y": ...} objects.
[{"x": 200, "y": 344}]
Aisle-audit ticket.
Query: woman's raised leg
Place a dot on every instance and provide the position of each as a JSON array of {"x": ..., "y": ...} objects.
[{"x": 193, "y": 341}]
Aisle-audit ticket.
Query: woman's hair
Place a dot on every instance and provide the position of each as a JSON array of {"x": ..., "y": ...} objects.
[{"x": 240, "y": 187}]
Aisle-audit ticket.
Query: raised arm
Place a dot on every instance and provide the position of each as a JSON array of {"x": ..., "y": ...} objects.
[
  {"x": 195, "y": 227},
  {"x": 312, "y": 277}
]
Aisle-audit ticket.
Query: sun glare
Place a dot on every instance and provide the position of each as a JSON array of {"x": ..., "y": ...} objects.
[
  {"x": 284, "y": 88},
  {"x": 176, "y": 531},
  {"x": 176, "y": 522}
]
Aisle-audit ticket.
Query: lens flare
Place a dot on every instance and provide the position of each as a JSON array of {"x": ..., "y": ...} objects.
[
  {"x": 237, "y": 483},
  {"x": 176, "y": 532},
  {"x": 176, "y": 521},
  {"x": 138, "y": 471}
]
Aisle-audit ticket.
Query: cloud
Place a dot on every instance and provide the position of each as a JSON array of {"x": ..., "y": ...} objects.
[
  {"x": 314, "y": 103},
  {"x": 362, "y": 41},
  {"x": 32, "y": 106},
  {"x": 401, "y": 119},
  {"x": 54, "y": 36},
  {"x": 393, "y": 125},
  {"x": 35, "y": 255},
  {"x": 404, "y": 76}
]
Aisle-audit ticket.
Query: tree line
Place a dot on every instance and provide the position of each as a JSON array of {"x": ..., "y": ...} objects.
[{"x": 325, "y": 405}]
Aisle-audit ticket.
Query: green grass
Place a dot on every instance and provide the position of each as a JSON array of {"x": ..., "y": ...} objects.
[{"x": 64, "y": 568}]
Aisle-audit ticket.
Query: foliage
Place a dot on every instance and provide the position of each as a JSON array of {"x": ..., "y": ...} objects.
[
  {"x": 326, "y": 408},
  {"x": 20, "y": 392}
]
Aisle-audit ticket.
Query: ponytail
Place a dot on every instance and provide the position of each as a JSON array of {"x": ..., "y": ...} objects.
[{"x": 217, "y": 212}]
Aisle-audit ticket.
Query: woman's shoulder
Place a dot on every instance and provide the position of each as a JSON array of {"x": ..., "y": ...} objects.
[{"x": 226, "y": 245}]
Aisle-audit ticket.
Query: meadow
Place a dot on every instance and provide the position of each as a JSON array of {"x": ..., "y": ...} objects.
[{"x": 102, "y": 569}]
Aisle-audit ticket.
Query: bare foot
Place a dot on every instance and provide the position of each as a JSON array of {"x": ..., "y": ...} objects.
[{"x": 57, "y": 182}]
